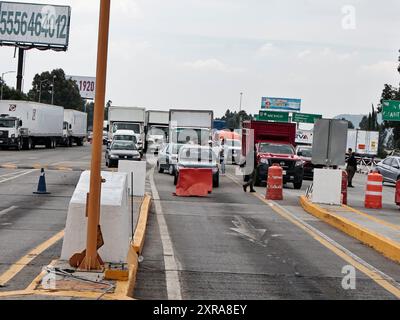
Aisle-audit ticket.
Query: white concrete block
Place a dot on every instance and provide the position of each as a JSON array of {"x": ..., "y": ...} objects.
[
  {"x": 139, "y": 175},
  {"x": 115, "y": 218},
  {"x": 327, "y": 186}
]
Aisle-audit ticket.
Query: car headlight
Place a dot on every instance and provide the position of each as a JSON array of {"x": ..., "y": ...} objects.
[
  {"x": 113, "y": 156},
  {"x": 264, "y": 160},
  {"x": 299, "y": 163}
]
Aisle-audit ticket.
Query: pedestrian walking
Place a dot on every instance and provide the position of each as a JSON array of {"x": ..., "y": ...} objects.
[
  {"x": 351, "y": 168},
  {"x": 252, "y": 178}
]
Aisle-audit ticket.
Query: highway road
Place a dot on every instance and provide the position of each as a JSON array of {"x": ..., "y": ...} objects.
[{"x": 230, "y": 245}]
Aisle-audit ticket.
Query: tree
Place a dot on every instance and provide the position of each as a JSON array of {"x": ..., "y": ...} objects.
[
  {"x": 12, "y": 94},
  {"x": 233, "y": 118},
  {"x": 66, "y": 91},
  {"x": 350, "y": 124}
]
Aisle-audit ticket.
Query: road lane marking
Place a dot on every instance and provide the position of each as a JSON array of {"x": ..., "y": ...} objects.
[
  {"x": 18, "y": 176},
  {"x": 25, "y": 260},
  {"x": 375, "y": 274},
  {"x": 170, "y": 263},
  {"x": 4, "y": 212}
]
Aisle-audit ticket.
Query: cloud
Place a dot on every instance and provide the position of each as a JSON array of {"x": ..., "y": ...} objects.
[
  {"x": 381, "y": 67},
  {"x": 268, "y": 49},
  {"x": 211, "y": 65},
  {"x": 304, "y": 54}
]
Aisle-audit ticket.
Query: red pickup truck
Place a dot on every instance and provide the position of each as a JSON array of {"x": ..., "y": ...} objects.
[{"x": 274, "y": 142}]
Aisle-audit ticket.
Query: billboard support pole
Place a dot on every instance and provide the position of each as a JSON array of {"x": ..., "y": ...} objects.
[{"x": 20, "y": 75}]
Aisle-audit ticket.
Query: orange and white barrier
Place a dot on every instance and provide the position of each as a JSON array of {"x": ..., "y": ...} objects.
[
  {"x": 344, "y": 187},
  {"x": 194, "y": 182},
  {"x": 373, "y": 192},
  {"x": 275, "y": 183}
]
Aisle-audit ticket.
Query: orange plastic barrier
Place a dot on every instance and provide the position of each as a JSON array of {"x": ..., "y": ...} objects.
[
  {"x": 194, "y": 183},
  {"x": 275, "y": 183},
  {"x": 373, "y": 193}
]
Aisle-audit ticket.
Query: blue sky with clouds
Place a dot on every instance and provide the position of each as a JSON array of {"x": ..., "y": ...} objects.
[{"x": 203, "y": 53}]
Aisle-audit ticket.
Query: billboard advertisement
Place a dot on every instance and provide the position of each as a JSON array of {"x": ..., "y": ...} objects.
[
  {"x": 37, "y": 25},
  {"x": 281, "y": 104},
  {"x": 86, "y": 85}
]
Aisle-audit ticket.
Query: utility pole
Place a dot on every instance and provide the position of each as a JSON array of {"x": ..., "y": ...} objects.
[
  {"x": 240, "y": 110},
  {"x": 2, "y": 82},
  {"x": 92, "y": 260},
  {"x": 52, "y": 91}
]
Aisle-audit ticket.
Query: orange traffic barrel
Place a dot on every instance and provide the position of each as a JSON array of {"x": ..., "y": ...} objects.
[
  {"x": 344, "y": 187},
  {"x": 275, "y": 183},
  {"x": 373, "y": 192}
]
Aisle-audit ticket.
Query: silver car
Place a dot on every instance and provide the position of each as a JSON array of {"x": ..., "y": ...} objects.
[
  {"x": 389, "y": 169},
  {"x": 121, "y": 150},
  {"x": 168, "y": 158}
]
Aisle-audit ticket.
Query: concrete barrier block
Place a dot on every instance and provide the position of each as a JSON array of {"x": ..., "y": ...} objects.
[
  {"x": 327, "y": 186},
  {"x": 139, "y": 175},
  {"x": 115, "y": 218}
]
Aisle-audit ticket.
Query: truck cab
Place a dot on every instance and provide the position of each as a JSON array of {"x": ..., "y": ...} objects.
[
  {"x": 274, "y": 143},
  {"x": 10, "y": 135},
  {"x": 137, "y": 128}
]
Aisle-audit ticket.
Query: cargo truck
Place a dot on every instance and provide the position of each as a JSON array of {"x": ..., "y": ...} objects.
[
  {"x": 74, "y": 128},
  {"x": 157, "y": 127},
  {"x": 127, "y": 118},
  {"x": 24, "y": 125},
  {"x": 190, "y": 126},
  {"x": 363, "y": 143},
  {"x": 274, "y": 142}
]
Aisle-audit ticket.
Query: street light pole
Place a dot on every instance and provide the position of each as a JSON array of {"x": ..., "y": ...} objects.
[
  {"x": 2, "y": 82},
  {"x": 240, "y": 110},
  {"x": 92, "y": 260},
  {"x": 40, "y": 90},
  {"x": 52, "y": 91}
]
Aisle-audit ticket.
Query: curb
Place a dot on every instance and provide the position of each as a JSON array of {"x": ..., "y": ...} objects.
[
  {"x": 387, "y": 247},
  {"x": 137, "y": 244}
]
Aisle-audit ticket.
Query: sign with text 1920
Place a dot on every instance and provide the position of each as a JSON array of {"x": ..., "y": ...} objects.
[
  {"x": 86, "y": 85},
  {"x": 35, "y": 25}
]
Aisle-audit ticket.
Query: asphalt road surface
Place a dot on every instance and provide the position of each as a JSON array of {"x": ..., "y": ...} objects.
[{"x": 230, "y": 245}]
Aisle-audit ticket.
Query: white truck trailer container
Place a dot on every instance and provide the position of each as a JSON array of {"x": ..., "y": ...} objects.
[
  {"x": 128, "y": 118},
  {"x": 24, "y": 125},
  {"x": 75, "y": 127},
  {"x": 363, "y": 142},
  {"x": 190, "y": 126},
  {"x": 157, "y": 127}
]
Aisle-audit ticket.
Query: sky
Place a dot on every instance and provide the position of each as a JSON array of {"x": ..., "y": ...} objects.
[{"x": 334, "y": 55}]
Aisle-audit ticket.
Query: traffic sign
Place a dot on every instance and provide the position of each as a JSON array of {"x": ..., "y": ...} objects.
[
  {"x": 391, "y": 110},
  {"x": 305, "y": 117},
  {"x": 274, "y": 116}
]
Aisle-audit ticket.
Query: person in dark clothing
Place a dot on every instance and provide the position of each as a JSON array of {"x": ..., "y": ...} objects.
[
  {"x": 252, "y": 177},
  {"x": 351, "y": 168}
]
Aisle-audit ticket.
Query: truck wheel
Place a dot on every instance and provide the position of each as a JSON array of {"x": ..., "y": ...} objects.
[
  {"x": 160, "y": 170},
  {"x": 297, "y": 185},
  {"x": 29, "y": 146},
  {"x": 79, "y": 143},
  {"x": 19, "y": 145},
  {"x": 69, "y": 142}
]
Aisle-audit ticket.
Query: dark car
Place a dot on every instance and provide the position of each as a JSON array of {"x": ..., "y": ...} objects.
[
  {"x": 389, "y": 168},
  {"x": 121, "y": 150}
]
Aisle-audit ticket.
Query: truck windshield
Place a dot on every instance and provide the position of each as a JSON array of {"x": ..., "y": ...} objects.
[
  {"x": 126, "y": 126},
  {"x": 306, "y": 152},
  {"x": 123, "y": 145},
  {"x": 276, "y": 148},
  {"x": 197, "y": 154},
  {"x": 7, "y": 123}
]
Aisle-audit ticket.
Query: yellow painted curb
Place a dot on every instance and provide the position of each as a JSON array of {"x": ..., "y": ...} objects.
[
  {"x": 140, "y": 232},
  {"x": 387, "y": 247}
]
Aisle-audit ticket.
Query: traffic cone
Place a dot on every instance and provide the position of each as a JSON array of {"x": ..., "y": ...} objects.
[{"x": 42, "y": 184}]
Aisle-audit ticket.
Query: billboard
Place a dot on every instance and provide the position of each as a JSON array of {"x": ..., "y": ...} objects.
[
  {"x": 281, "y": 104},
  {"x": 35, "y": 25},
  {"x": 86, "y": 85}
]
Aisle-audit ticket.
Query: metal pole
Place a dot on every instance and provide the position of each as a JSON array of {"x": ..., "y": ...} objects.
[
  {"x": 52, "y": 92},
  {"x": 240, "y": 110},
  {"x": 91, "y": 260},
  {"x": 20, "y": 76}
]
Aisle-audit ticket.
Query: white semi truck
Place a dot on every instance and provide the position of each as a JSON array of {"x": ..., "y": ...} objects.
[
  {"x": 24, "y": 125},
  {"x": 74, "y": 128},
  {"x": 127, "y": 118},
  {"x": 190, "y": 126},
  {"x": 364, "y": 143},
  {"x": 156, "y": 129}
]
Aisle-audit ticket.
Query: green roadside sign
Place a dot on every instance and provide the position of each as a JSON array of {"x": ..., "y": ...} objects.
[
  {"x": 273, "y": 116},
  {"x": 391, "y": 110},
  {"x": 305, "y": 117}
]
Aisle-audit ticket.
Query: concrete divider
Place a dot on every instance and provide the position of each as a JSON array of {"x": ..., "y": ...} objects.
[
  {"x": 138, "y": 168},
  {"x": 379, "y": 241},
  {"x": 115, "y": 218}
]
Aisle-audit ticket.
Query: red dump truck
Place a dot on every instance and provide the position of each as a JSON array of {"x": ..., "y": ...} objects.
[{"x": 274, "y": 142}]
